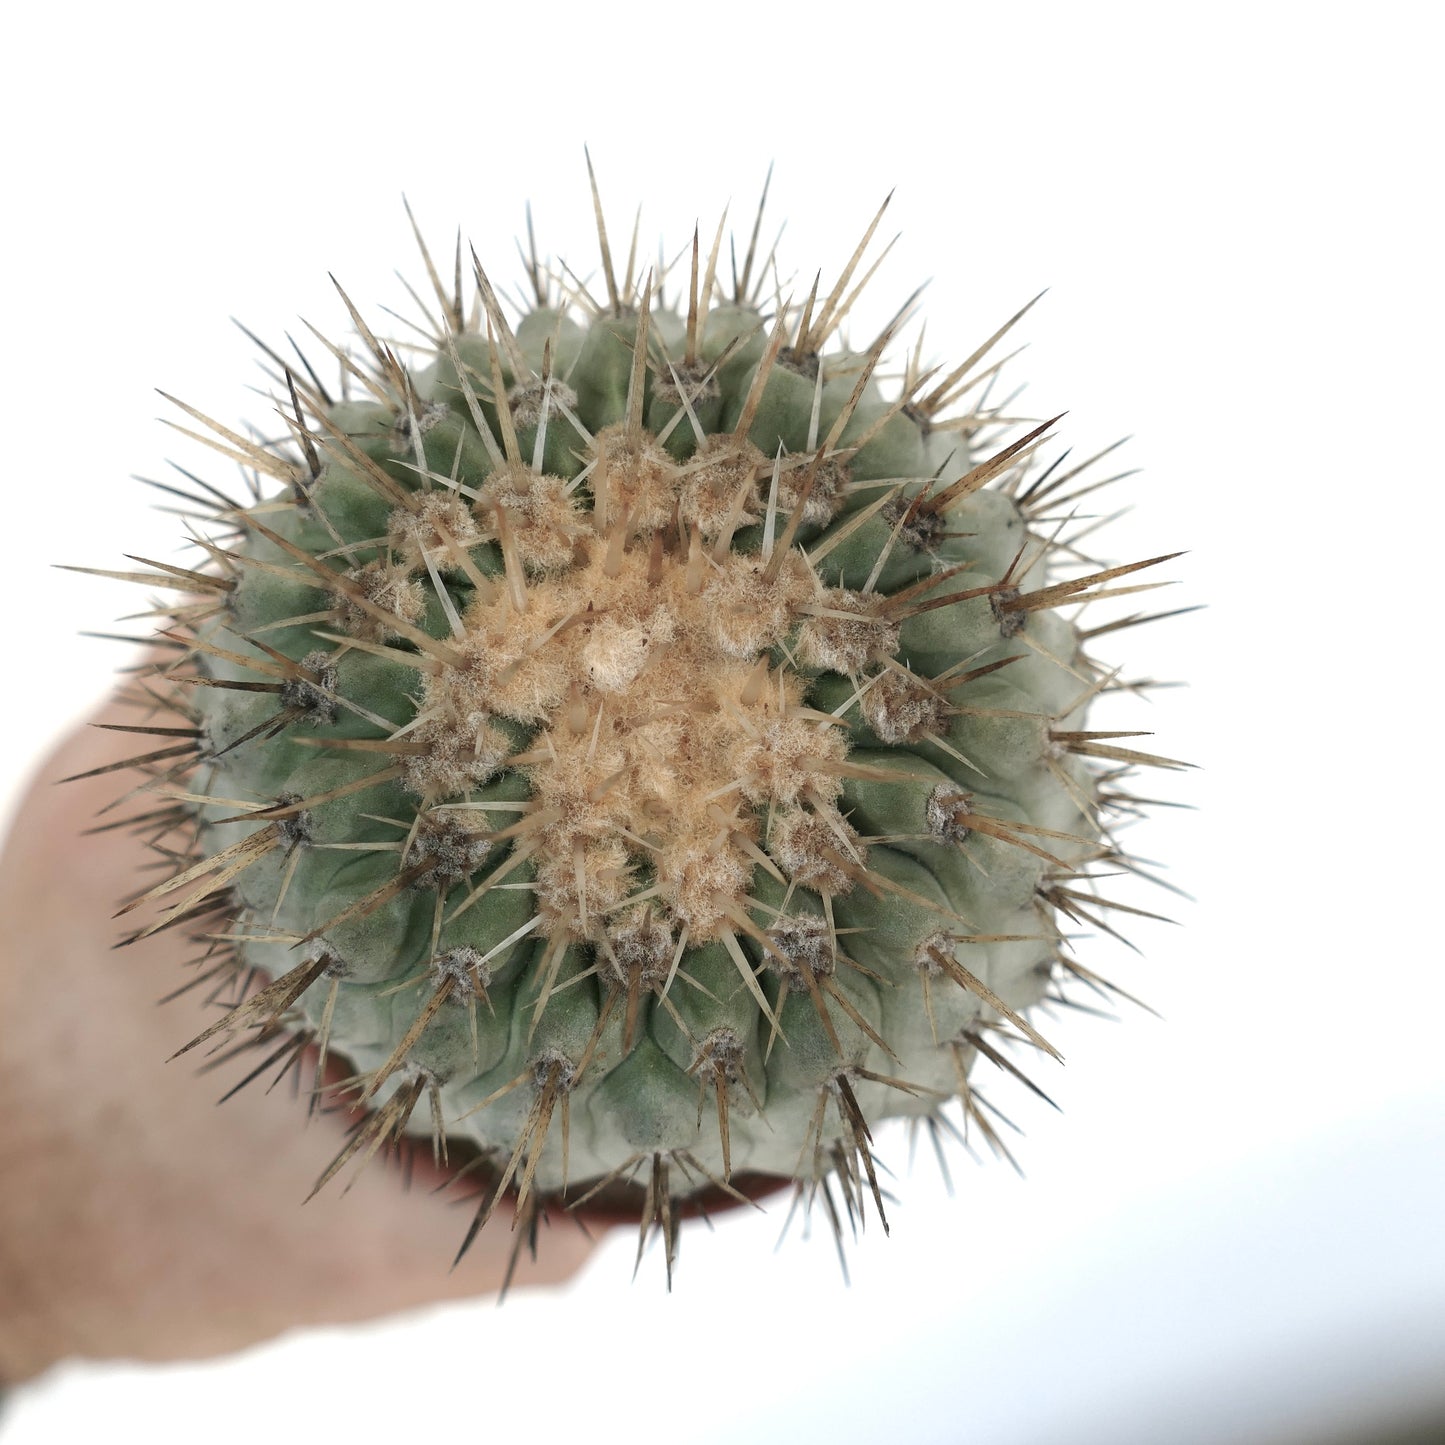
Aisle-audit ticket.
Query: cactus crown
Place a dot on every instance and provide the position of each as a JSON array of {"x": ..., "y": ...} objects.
[{"x": 636, "y": 734}]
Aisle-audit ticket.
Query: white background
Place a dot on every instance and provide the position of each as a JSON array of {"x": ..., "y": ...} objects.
[{"x": 1232, "y": 1233}]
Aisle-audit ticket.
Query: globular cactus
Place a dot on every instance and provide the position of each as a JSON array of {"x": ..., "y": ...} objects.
[{"x": 648, "y": 755}]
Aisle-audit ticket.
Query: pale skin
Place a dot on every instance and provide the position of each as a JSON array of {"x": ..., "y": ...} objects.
[{"x": 139, "y": 1219}]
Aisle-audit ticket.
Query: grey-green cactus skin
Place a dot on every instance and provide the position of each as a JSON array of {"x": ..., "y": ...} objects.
[{"x": 631, "y": 741}]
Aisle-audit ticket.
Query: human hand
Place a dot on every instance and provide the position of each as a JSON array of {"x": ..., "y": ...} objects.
[{"x": 137, "y": 1218}]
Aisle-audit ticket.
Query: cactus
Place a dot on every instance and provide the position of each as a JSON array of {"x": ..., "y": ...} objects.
[{"x": 648, "y": 755}]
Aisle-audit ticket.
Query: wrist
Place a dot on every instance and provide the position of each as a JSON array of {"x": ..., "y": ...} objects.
[
  {"x": 30, "y": 1338},
  {"x": 27, "y": 1348},
  {"x": 35, "y": 1173}
]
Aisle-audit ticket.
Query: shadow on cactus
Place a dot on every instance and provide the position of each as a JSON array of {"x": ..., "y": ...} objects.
[{"x": 645, "y": 753}]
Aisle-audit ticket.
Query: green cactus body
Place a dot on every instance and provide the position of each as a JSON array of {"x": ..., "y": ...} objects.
[{"x": 640, "y": 750}]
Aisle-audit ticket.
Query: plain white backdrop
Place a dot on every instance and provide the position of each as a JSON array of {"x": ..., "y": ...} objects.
[{"x": 1231, "y": 1232}]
